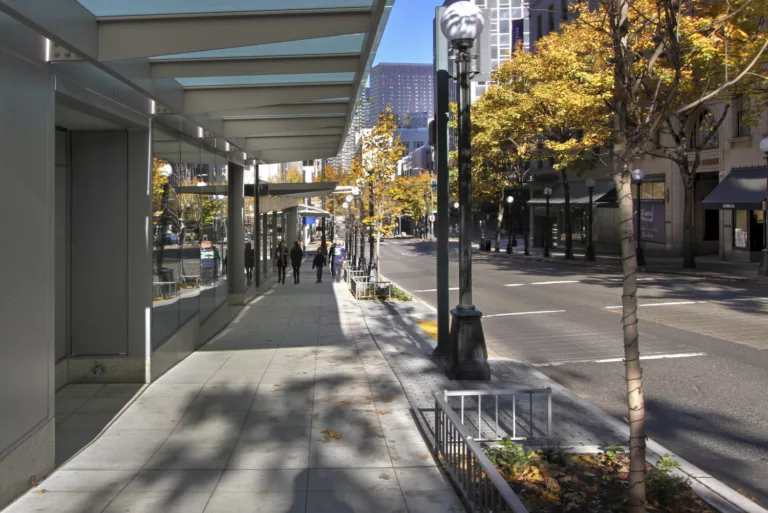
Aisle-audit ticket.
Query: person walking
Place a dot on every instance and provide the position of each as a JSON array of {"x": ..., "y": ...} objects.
[
  {"x": 281, "y": 259},
  {"x": 297, "y": 255},
  {"x": 318, "y": 263},
  {"x": 332, "y": 260},
  {"x": 249, "y": 264}
]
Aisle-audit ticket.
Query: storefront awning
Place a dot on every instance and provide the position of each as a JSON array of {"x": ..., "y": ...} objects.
[
  {"x": 604, "y": 192},
  {"x": 742, "y": 189}
]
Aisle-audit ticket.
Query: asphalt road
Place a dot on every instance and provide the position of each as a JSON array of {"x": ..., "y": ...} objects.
[{"x": 705, "y": 344}]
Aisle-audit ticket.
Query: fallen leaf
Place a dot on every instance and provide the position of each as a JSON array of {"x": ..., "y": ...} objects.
[
  {"x": 344, "y": 403},
  {"x": 43, "y": 490},
  {"x": 111, "y": 484},
  {"x": 333, "y": 434},
  {"x": 382, "y": 412},
  {"x": 548, "y": 497},
  {"x": 33, "y": 481},
  {"x": 277, "y": 385}
]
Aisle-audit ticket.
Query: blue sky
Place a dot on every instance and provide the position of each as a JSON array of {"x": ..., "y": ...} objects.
[{"x": 408, "y": 35}]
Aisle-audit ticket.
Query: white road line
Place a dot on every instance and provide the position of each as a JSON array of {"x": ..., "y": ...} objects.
[
  {"x": 435, "y": 290},
  {"x": 618, "y": 360},
  {"x": 524, "y": 313},
  {"x": 671, "y": 303},
  {"x": 554, "y": 282},
  {"x": 514, "y": 284}
]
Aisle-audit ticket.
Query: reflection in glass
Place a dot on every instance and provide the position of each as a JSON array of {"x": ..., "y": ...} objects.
[{"x": 176, "y": 218}]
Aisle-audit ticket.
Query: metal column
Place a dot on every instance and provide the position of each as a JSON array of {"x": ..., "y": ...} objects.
[{"x": 236, "y": 240}]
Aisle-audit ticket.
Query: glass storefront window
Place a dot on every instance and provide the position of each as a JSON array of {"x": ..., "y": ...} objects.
[
  {"x": 741, "y": 229},
  {"x": 176, "y": 276}
]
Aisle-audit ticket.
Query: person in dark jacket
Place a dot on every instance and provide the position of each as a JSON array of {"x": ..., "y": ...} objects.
[
  {"x": 318, "y": 263},
  {"x": 297, "y": 255},
  {"x": 332, "y": 259},
  {"x": 281, "y": 258},
  {"x": 248, "y": 262}
]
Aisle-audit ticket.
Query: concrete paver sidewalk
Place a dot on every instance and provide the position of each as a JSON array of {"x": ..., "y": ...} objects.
[{"x": 292, "y": 408}]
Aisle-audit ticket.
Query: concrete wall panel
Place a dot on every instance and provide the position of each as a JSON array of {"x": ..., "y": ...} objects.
[
  {"x": 26, "y": 269},
  {"x": 99, "y": 254}
]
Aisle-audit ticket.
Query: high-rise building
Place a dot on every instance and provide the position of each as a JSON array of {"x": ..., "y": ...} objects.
[
  {"x": 509, "y": 24},
  {"x": 406, "y": 88}
]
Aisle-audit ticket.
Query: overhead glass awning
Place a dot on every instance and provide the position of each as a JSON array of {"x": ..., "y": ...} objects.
[
  {"x": 277, "y": 79},
  {"x": 741, "y": 189},
  {"x": 604, "y": 192}
]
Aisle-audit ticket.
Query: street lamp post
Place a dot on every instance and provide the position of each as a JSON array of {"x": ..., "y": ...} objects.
[
  {"x": 510, "y": 224},
  {"x": 548, "y": 228},
  {"x": 638, "y": 175},
  {"x": 764, "y": 264},
  {"x": 467, "y": 358},
  {"x": 590, "y": 254}
]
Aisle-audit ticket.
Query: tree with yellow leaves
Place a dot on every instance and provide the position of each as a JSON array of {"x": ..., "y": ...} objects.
[
  {"x": 554, "y": 105},
  {"x": 413, "y": 195},
  {"x": 375, "y": 169}
]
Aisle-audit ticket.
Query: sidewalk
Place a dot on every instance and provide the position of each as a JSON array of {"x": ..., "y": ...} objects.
[{"x": 292, "y": 408}]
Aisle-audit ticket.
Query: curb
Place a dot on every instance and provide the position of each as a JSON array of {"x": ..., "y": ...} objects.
[
  {"x": 581, "y": 263},
  {"x": 711, "y": 490}
]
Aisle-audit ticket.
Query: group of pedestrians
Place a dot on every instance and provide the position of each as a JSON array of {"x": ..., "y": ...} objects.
[{"x": 296, "y": 257}]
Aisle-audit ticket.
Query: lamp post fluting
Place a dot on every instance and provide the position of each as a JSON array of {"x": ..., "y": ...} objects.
[
  {"x": 637, "y": 176},
  {"x": 510, "y": 223},
  {"x": 547, "y": 225},
  {"x": 764, "y": 263},
  {"x": 589, "y": 256},
  {"x": 467, "y": 359}
]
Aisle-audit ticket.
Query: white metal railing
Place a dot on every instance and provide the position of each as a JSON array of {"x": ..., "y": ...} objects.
[
  {"x": 483, "y": 487},
  {"x": 513, "y": 393},
  {"x": 165, "y": 289}
]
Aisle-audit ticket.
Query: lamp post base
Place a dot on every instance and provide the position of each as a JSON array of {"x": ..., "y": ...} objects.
[
  {"x": 468, "y": 357},
  {"x": 640, "y": 255},
  {"x": 763, "y": 269},
  {"x": 590, "y": 254}
]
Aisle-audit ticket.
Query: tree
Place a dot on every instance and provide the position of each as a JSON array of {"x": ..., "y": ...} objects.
[
  {"x": 376, "y": 166},
  {"x": 412, "y": 195},
  {"x": 714, "y": 49},
  {"x": 558, "y": 100}
]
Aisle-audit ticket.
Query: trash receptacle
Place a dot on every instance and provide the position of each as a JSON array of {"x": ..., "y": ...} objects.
[{"x": 488, "y": 245}]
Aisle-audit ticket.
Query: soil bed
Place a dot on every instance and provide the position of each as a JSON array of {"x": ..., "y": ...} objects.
[{"x": 553, "y": 481}]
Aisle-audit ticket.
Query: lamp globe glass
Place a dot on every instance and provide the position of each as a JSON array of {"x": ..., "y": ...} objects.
[
  {"x": 591, "y": 183},
  {"x": 764, "y": 145},
  {"x": 510, "y": 199},
  {"x": 462, "y": 20},
  {"x": 547, "y": 191},
  {"x": 638, "y": 175}
]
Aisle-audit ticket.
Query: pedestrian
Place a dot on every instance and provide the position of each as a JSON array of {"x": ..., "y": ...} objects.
[
  {"x": 332, "y": 260},
  {"x": 249, "y": 262},
  {"x": 297, "y": 255},
  {"x": 318, "y": 263},
  {"x": 224, "y": 263},
  {"x": 281, "y": 258}
]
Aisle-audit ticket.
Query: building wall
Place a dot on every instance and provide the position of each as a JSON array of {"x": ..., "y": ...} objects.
[
  {"x": 27, "y": 323},
  {"x": 405, "y": 87}
]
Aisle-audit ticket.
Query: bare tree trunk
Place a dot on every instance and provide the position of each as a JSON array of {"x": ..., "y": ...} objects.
[
  {"x": 623, "y": 155},
  {"x": 568, "y": 218},
  {"x": 499, "y": 220},
  {"x": 634, "y": 374}
]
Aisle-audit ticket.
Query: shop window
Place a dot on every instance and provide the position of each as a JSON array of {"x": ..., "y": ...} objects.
[
  {"x": 711, "y": 225},
  {"x": 741, "y": 229},
  {"x": 650, "y": 190},
  {"x": 564, "y": 9},
  {"x": 551, "y": 24},
  {"x": 743, "y": 127}
]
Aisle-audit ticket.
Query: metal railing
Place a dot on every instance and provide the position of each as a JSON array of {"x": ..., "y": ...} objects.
[
  {"x": 483, "y": 487},
  {"x": 513, "y": 392},
  {"x": 366, "y": 288}
]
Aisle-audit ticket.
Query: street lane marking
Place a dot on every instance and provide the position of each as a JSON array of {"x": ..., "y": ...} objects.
[
  {"x": 524, "y": 313},
  {"x": 671, "y": 303},
  {"x": 619, "y": 360},
  {"x": 514, "y": 284},
  {"x": 435, "y": 290},
  {"x": 554, "y": 282}
]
